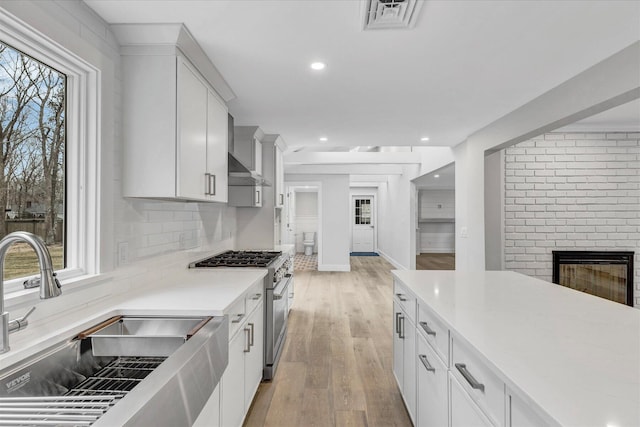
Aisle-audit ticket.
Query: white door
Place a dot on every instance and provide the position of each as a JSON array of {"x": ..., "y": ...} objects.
[{"x": 362, "y": 224}]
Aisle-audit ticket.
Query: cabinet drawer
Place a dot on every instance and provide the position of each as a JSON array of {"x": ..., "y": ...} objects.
[
  {"x": 432, "y": 400},
  {"x": 435, "y": 331},
  {"x": 237, "y": 315},
  {"x": 479, "y": 381},
  {"x": 406, "y": 300},
  {"x": 253, "y": 297}
]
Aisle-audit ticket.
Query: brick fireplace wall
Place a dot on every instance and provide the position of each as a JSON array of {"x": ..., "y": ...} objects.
[{"x": 571, "y": 191}]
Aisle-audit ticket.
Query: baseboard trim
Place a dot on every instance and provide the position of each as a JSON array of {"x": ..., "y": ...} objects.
[{"x": 334, "y": 267}]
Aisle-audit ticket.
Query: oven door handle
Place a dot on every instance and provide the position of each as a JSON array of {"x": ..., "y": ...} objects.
[{"x": 280, "y": 291}]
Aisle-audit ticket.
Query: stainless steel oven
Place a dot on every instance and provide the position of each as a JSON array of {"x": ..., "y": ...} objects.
[
  {"x": 278, "y": 286},
  {"x": 277, "y": 313}
]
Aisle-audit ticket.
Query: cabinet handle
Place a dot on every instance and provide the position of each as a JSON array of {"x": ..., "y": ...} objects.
[
  {"x": 467, "y": 376},
  {"x": 427, "y": 329},
  {"x": 401, "y": 297},
  {"x": 238, "y": 318},
  {"x": 281, "y": 199},
  {"x": 247, "y": 349},
  {"x": 257, "y": 197},
  {"x": 251, "y": 336},
  {"x": 425, "y": 362},
  {"x": 256, "y": 297},
  {"x": 212, "y": 184},
  {"x": 398, "y": 323},
  {"x": 401, "y": 335}
]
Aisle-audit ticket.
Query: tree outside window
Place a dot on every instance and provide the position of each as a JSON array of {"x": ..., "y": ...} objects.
[{"x": 32, "y": 152}]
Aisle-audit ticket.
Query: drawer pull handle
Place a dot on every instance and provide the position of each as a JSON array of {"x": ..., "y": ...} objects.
[
  {"x": 247, "y": 341},
  {"x": 256, "y": 297},
  {"x": 398, "y": 323},
  {"x": 427, "y": 329},
  {"x": 401, "y": 297},
  {"x": 251, "y": 336},
  {"x": 238, "y": 318},
  {"x": 467, "y": 376},
  {"x": 425, "y": 362}
]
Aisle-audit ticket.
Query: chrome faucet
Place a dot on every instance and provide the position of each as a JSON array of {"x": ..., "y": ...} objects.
[{"x": 49, "y": 284}]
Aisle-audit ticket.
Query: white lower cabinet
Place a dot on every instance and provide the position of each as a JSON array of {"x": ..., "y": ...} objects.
[
  {"x": 244, "y": 371},
  {"x": 464, "y": 411},
  {"x": 253, "y": 355},
  {"x": 433, "y": 396},
  {"x": 404, "y": 357},
  {"x": 210, "y": 414}
]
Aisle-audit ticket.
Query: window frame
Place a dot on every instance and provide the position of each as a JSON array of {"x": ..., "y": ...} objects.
[{"x": 82, "y": 147}]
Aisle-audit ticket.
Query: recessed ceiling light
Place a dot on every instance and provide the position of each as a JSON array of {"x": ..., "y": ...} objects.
[
  {"x": 324, "y": 139},
  {"x": 424, "y": 139},
  {"x": 436, "y": 176},
  {"x": 318, "y": 65}
]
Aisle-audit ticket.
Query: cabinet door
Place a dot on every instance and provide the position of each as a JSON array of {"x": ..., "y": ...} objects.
[
  {"x": 464, "y": 411},
  {"x": 192, "y": 134},
  {"x": 255, "y": 356},
  {"x": 257, "y": 152},
  {"x": 408, "y": 335},
  {"x": 258, "y": 196},
  {"x": 432, "y": 399},
  {"x": 279, "y": 178},
  {"x": 398, "y": 356},
  {"x": 217, "y": 142},
  {"x": 233, "y": 409},
  {"x": 210, "y": 414}
]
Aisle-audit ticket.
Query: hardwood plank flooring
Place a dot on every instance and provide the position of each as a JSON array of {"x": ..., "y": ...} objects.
[
  {"x": 336, "y": 366},
  {"x": 436, "y": 261}
]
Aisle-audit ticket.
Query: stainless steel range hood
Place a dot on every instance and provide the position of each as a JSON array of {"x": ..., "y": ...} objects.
[{"x": 240, "y": 175}]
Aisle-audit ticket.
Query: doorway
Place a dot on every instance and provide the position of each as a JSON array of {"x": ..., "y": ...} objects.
[
  {"x": 435, "y": 220},
  {"x": 302, "y": 224},
  {"x": 363, "y": 224}
]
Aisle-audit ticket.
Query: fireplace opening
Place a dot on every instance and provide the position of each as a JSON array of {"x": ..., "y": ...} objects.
[{"x": 604, "y": 274}]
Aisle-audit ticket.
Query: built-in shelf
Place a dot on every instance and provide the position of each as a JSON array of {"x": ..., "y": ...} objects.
[{"x": 436, "y": 220}]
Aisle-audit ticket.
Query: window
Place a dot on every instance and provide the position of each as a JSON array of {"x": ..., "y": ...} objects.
[
  {"x": 362, "y": 211},
  {"x": 33, "y": 137},
  {"x": 70, "y": 166}
]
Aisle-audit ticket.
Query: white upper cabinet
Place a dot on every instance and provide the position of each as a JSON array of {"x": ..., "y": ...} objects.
[
  {"x": 279, "y": 178},
  {"x": 174, "y": 122},
  {"x": 217, "y": 149}
]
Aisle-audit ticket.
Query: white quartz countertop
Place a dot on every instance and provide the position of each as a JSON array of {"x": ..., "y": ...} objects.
[
  {"x": 192, "y": 292},
  {"x": 577, "y": 356}
]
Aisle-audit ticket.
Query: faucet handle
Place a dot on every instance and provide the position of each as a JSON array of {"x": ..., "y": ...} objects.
[
  {"x": 34, "y": 282},
  {"x": 21, "y": 322}
]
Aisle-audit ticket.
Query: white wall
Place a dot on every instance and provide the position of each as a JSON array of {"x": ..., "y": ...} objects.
[
  {"x": 396, "y": 234},
  {"x": 568, "y": 191},
  {"x": 494, "y": 210},
  {"x": 306, "y": 218},
  {"x": 149, "y": 227},
  {"x": 436, "y": 236},
  {"x": 334, "y": 202}
]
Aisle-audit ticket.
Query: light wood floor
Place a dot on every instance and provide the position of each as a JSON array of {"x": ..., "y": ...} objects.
[
  {"x": 436, "y": 262},
  {"x": 336, "y": 367}
]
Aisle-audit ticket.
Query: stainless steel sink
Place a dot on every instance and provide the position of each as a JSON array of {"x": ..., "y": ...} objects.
[
  {"x": 144, "y": 336},
  {"x": 72, "y": 384}
]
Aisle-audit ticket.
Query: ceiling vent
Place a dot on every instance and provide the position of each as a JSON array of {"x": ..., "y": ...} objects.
[{"x": 388, "y": 14}]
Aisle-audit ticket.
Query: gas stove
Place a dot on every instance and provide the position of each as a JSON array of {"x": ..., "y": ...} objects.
[{"x": 260, "y": 259}]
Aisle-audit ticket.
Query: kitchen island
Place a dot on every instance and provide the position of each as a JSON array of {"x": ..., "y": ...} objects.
[{"x": 525, "y": 351}]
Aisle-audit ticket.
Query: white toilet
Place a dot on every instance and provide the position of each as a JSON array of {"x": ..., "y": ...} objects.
[{"x": 309, "y": 241}]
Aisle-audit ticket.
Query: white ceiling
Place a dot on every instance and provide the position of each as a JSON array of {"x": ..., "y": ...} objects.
[{"x": 464, "y": 65}]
